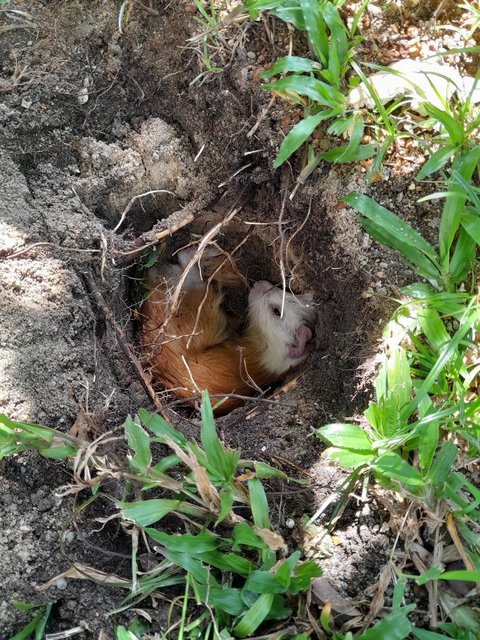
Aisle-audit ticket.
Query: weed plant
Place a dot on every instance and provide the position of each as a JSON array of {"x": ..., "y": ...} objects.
[{"x": 234, "y": 570}]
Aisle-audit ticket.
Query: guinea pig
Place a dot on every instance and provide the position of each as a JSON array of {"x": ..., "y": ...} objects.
[{"x": 188, "y": 354}]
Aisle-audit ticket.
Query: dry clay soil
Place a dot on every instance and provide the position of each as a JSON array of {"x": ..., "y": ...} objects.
[{"x": 69, "y": 168}]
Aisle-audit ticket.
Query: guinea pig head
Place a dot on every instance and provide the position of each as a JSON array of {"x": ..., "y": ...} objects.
[{"x": 285, "y": 335}]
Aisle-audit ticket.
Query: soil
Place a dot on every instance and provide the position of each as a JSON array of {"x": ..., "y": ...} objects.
[{"x": 91, "y": 118}]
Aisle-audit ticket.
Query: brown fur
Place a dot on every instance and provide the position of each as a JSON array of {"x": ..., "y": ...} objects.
[{"x": 218, "y": 359}]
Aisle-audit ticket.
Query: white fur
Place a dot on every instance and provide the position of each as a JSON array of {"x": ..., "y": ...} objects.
[{"x": 277, "y": 334}]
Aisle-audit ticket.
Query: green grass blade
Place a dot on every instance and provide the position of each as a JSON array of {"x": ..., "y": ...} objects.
[
  {"x": 452, "y": 126},
  {"x": 293, "y": 64},
  {"x": 224, "y": 462},
  {"x": 348, "y": 436},
  {"x": 348, "y": 153},
  {"x": 414, "y": 258},
  {"x": 347, "y": 458},
  {"x": 186, "y": 543},
  {"x": 160, "y": 427},
  {"x": 443, "y": 464},
  {"x": 391, "y": 223},
  {"x": 145, "y": 512},
  {"x": 395, "y": 626},
  {"x": 318, "y": 91},
  {"x": 393, "y": 467},
  {"x": 254, "y": 617},
  {"x": 244, "y": 536},
  {"x": 258, "y": 503},
  {"x": 445, "y": 356},
  {"x": 139, "y": 441},
  {"x": 471, "y": 223},
  {"x": 315, "y": 27},
  {"x": 297, "y": 136},
  {"x": 264, "y": 582},
  {"x": 454, "y": 206},
  {"x": 463, "y": 256},
  {"x": 436, "y": 161}
]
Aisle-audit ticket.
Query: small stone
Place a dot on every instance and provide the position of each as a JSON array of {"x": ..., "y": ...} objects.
[
  {"x": 61, "y": 584},
  {"x": 290, "y": 523}
]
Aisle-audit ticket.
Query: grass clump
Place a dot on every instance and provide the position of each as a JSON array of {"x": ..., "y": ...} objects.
[
  {"x": 235, "y": 572},
  {"x": 319, "y": 85},
  {"x": 420, "y": 434}
]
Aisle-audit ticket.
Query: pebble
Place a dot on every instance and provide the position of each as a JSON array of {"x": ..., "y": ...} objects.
[{"x": 61, "y": 584}]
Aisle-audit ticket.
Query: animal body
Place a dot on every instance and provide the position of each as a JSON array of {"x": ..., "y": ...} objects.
[{"x": 189, "y": 354}]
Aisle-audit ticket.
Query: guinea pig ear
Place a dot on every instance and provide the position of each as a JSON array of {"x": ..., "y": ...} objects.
[{"x": 303, "y": 334}]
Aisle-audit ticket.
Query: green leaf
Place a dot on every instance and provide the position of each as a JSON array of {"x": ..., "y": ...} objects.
[
  {"x": 445, "y": 355},
  {"x": 122, "y": 634},
  {"x": 291, "y": 14},
  {"x": 58, "y": 453},
  {"x": 160, "y": 427},
  {"x": 395, "y": 626},
  {"x": 223, "y": 461},
  {"x": 293, "y": 64},
  {"x": 254, "y": 617},
  {"x": 453, "y": 127},
  {"x": 226, "y": 502},
  {"x": 346, "y": 458},
  {"x": 348, "y": 153},
  {"x": 145, "y": 512},
  {"x": 471, "y": 223},
  {"x": 243, "y": 535},
  {"x": 347, "y": 436},
  {"x": 433, "y": 327},
  {"x": 227, "y": 599},
  {"x": 263, "y": 470},
  {"x": 393, "y": 467},
  {"x": 436, "y": 161},
  {"x": 338, "y": 30},
  {"x": 24, "y": 606},
  {"x": 285, "y": 570},
  {"x": 258, "y": 504},
  {"x": 304, "y": 576},
  {"x": 463, "y": 256},
  {"x": 27, "y": 629},
  {"x": 139, "y": 441},
  {"x": 193, "y": 566},
  {"x": 390, "y": 223},
  {"x": 443, "y": 464},
  {"x": 227, "y": 562},
  {"x": 42, "y": 622},
  {"x": 424, "y": 634},
  {"x": 297, "y": 136},
  {"x": 416, "y": 260},
  {"x": 427, "y": 444},
  {"x": 186, "y": 543},
  {"x": 320, "y": 92},
  {"x": 315, "y": 27},
  {"x": 264, "y": 582},
  {"x": 454, "y": 205}
]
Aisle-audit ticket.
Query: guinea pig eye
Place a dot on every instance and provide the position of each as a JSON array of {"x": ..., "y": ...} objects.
[{"x": 276, "y": 311}]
